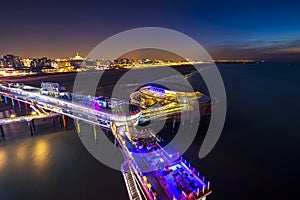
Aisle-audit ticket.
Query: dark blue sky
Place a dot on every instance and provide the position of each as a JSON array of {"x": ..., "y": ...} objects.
[{"x": 268, "y": 30}]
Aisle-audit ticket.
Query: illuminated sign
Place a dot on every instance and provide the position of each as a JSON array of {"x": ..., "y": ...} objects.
[{"x": 159, "y": 91}]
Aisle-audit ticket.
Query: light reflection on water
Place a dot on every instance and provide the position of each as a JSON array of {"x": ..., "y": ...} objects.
[
  {"x": 26, "y": 154},
  {"x": 40, "y": 154},
  {"x": 3, "y": 159},
  {"x": 21, "y": 153}
]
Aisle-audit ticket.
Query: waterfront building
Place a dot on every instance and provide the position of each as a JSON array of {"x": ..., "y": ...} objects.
[
  {"x": 76, "y": 61},
  {"x": 26, "y": 62},
  {"x": 121, "y": 62},
  {"x": 40, "y": 63},
  {"x": 12, "y": 61},
  {"x": 63, "y": 63}
]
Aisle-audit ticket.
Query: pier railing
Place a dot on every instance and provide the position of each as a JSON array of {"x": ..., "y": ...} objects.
[{"x": 206, "y": 183}]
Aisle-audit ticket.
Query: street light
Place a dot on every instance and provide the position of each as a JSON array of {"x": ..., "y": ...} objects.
[
  {"x": 12, "y": 116},
  {"x": 33, "y": 113}
]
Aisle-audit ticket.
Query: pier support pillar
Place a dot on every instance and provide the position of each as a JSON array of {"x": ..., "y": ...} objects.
[
  {"x": 26, "y": 106},
  {"x": 19, "y": 105},
  {"x": 53, "y": 121},
  {"x": 2, "y": 131},
  {"x": 78, "y": 126},
  {"x": 95, "y": 132},
  {"x": 30, "y": 127},
  {"x": 5, "y": 99},
  {"x": 1, "y": 98},
  {"x": 33, "y": 125},
  {"x": 64, "y": 118},
  {"x": 12, "y": 102},
  {"x": 60, "y": 121}
]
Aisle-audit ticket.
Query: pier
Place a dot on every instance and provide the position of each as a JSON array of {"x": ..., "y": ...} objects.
[{"x": 167, "y": 180}]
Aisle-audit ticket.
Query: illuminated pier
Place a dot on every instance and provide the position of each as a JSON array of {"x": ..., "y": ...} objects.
[{"x": 165, "y": 178}]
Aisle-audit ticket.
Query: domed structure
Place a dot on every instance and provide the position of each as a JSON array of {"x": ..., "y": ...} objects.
[{"x": 76, "y": 61}]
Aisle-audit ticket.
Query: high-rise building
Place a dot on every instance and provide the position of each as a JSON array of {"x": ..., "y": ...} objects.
[
  {"x": 1, "y": 62},
  {"x": 40, "y": 63},
  {"x": 26, "y": 62},
  {"x": 11, "y": 61}
]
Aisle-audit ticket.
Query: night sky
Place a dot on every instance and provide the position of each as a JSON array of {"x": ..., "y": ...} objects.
[{"x": 227, "y": 29}]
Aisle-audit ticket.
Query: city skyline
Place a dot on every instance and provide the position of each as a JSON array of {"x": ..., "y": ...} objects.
[
  {"x": 139, "y": 54},
  {"x": 228, "y": 30}
]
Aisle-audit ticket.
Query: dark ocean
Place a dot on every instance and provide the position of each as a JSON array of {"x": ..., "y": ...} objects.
[{"x": 256, "y": 157}]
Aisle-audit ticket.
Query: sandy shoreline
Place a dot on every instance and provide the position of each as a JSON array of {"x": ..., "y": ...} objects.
[{"x": 105, "y": 85}]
